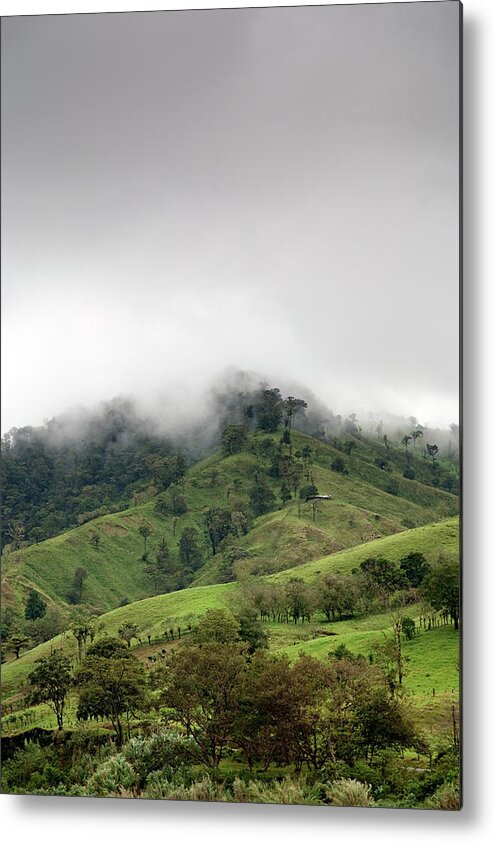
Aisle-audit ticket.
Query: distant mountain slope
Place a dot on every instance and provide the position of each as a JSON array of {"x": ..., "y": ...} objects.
[
  {"x": 110, "y": 548},
  {"x": 83, "y": 464}
]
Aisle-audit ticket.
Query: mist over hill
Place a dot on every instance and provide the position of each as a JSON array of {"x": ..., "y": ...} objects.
[{"x": 86, "y": 463}]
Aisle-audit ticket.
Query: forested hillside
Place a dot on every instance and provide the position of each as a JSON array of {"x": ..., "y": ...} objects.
[
  {"x": 83, "y": 465},
  {"x": 305, "y": 585}
]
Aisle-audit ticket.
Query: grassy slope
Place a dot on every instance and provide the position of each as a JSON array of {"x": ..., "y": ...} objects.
[
  {"x": 154, "y": 614},
  {"x": 432, "y": 540},
  {"x": 359, "y": 512}
]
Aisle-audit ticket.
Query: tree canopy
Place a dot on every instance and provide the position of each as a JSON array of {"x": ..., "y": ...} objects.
[{"x": 111, "y": 684}]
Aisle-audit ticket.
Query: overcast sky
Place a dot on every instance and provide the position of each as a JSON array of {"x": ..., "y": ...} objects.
[{"x": 272, "y": 189}]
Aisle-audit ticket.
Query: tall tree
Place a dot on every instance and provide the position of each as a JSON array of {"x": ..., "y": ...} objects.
[
  {"x": 144, "y": 532},
  {"x": 128, "y": 631},
  {"x": 111, "y": 684},
  {"x": 291, "y": 407},
  {"x": 218, "y": 523},
  {"x": 190, "y": 553},
  {"x": 74, "y": 594},
  {"x": 216, "y": 626},
  {"x": 269, "y": 410},
  {"x": 261, "y": 497},
  {"x": 432, "y": 450},
  {"x": 441, "y": 588},
  {"x": 233, "y": 439},
  {"x": 415, "y": 567},
  {"x": 201, "y": 685},
  {"x": 405, "y": 442},
  {"x": 51, "y": 679},
  {"x": 35, "y": 606}
]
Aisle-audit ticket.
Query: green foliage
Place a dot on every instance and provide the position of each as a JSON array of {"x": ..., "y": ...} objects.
[
  {"x": 47, "y": 565},
  {"x": 200, "y": 683},
  {"x": 26, "y": 770},
  {"x": 307, "y": 491},
  {"x": 409, "y": 627},
  {"x": 261, "y": 497},
  {"x": 53, "y": 478},
  {"x": 269, "y": 410},
  {"x": 285, "y": 492},
  {"x": 308, "y": 712},
  {"x": 110, "y": 686},
  {"x": 337, "y": 595},
  {"x": 338, "y": 465},
  {"x": 189, "y": 550},
  {"x": 128, "y": 631},
  {"x": 172, "y": 503},
  {"x": 52, "y": 679},
  {"x": 298, "y": 599},
  {"x": 164, "y": 562},
  {"x": 291, "y": 407},
  {"x": 18, "y": 641},
  {"x": 115, "y": 777},
  {"x": 360, "y": 513},
  {"x": 165, "y": 752},
  {"x": 415, "y": 568},
  {"x": 346, "y": 792},
  {"x": 218, "y": 523},
  {"x": 74, "y": 595},
  {"x": 35, "y": 606},
  {"x": 166, "y": 470},
  {"x": 216, "y": 626},
  {"x": 342, "y": 652},
  {"x": 109, "y": 647},
  {"x": 447, "y": 797},
  {"x": 251, "y": 630},
  {"x": 441, "y": 588},
  {"x": 233, "y": 439},
  {"x": 382, "y": 574},
  {"x": 393, "y": 487}
]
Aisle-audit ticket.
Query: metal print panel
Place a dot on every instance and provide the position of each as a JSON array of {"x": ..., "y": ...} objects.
[{"x": 231, "y": 450}]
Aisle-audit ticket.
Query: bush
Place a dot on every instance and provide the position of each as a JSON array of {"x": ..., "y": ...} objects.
[
  {"x": 307, "y": 491},
  {"x": 446, "y": 798},
  {"x": 408, "y": 626},
  {"x": 286, "y": 791},
  {"x": 115, "y": 776},
  {"x": 393, "y": 488},
  {"x": 348, "y": 792},
  {"x": 200, "y": 790},
  {"x": 24, "y": 769},
  {"x": 164, "y": 752}
]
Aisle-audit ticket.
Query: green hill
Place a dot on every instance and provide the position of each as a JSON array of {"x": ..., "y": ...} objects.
[
  {"x": 154, "y": 615},
  {"x": 432, "y": 541},
  {"x": 110, "y": 548}
]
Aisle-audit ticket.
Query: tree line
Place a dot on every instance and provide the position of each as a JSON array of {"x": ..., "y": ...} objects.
[
  {"x": 376, "y": 585},
  {"x": 229, "y": 696}
]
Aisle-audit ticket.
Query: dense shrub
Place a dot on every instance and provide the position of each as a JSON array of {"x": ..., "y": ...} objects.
[
  {"x": 112, "y": 778},
  {"x": 350, "y": 793}
]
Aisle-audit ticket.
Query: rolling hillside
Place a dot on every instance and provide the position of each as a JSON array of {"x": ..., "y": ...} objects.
[
  {"x": 361, "y": 510},
  {"x": 154, "y": 615}
]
